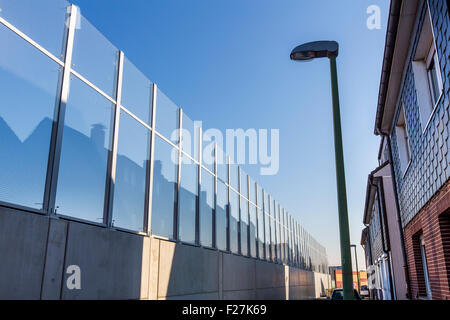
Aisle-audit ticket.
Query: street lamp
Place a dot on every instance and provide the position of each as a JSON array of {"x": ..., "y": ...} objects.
[
  {"x": 357, "y": 272},
  {"x": 330, "y": 49}
]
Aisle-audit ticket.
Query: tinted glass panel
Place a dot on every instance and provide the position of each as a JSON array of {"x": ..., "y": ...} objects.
[
  {"x": 252, "y": 190},
  {"x": 234, "y": 218},
  {"x": 268, "y": 237},
  {"x": 164, "y": 182},
  {"x": 137, "y": 92},
  {"x": 43, "y": 21},
  {"x": 272, "y": 238},
  {"x": 191, "y": 132},
  {"x": 259, "y": 196},
  {"x": 187, "y": 200},
  {"x": 221, "y": 216},
  {"x": 222, "y": 165},
  {"x": 206, "y": 208},
  {"x": 208, "y": 156},
  {"x": 234, "y": 176},
  {"x": 244, "y": 184},
  {"x": 260, "y": 233},
  {"x": 84, "y": 154},
  {"x": 244, "y": 226},
  {"x": 266, "y": 202},
  {"x": 25, "y": 119},
  {"x": 94, "y": 57},
  {"x": 253, "y": 227},
  {"x": 131, "y": 172},
  {"x": 167, "y": 115}
]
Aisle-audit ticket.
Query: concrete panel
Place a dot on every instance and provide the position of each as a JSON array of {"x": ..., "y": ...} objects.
[
  {"x": 294, "y": 277},
  {"x": 271, "y": 294},
  {"x": 145, "y": 275},
  {"x": 54, "y": 260},
  {"x": 239, "y": 295},
  {"x": 238, "y": 273},
  {"x": 220, "y": 276},
  {"x": 269, "y": 275},
  {"x": 23, "y": 238},
  {"x": 321, "y": 284},
  {"x": 110, "y": 262},
  {"x": 154, "y": 267},
  {"x": 185, "y": 269},
  {"x": 286, "y": 281},
  {"x": 199, "y": 296}
]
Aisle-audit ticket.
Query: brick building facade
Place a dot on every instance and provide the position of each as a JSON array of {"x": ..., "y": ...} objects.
[{"x": 433, "y": 222}]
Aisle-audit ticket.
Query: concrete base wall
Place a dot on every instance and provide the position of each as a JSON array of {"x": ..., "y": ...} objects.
[{"x": 36, "y": 252}]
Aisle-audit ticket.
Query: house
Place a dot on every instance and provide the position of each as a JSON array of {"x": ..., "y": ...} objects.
[{"x": 412, "y": 119}]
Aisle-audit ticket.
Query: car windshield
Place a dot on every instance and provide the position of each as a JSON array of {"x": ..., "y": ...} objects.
[{"x": 339, "y": 295}]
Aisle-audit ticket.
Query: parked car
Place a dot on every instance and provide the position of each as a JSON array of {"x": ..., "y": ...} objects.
[
  {"x": 364, "y": 291},
  {"x": 338, "y": 294}
]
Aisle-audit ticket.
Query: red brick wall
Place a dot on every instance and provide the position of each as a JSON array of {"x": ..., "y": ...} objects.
[{"x": 433, "y": 222}]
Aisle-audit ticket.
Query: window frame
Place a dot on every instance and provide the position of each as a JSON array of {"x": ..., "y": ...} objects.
[{"x": 402, "y": 129}]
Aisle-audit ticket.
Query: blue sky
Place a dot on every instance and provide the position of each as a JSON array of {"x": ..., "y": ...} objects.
[{"x": 226, "y": 62}]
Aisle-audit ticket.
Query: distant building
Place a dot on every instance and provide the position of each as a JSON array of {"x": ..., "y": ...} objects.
[
  {"x": 336, "y": 277},
  {"x": 407, "y": 210}
]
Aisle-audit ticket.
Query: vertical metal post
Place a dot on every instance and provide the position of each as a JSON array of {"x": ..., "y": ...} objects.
[
  {"x": 357, "y": 270},
  {"x": 239, "y": 212},
  {"x": 344, "y": 233},
  {"x": 151, "y": 160},
  {"x": 199, "y": 190},
  {"x": 60, "y": 113},
  {"x": 112, "y": 155},
  {"x": 214, "y": 224},
  {"x": 177, "y": 202},
  {"x": 228, "y": 207}
]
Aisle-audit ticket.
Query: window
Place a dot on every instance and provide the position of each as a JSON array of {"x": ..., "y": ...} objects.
[
  {"x": 427, "y": 73},
  {"x": 164, "y": 184},
  {"x": 86, "y": 144},
  {"x": 25, "y": 119},
  {"x": 131, "y": 172},
  {"x": 444, "y": 228},
  {"x": 425, "y": 266},
  {"x": 221, "y": 216},
  {"x": 187, "y": 200},
  {"x": 433, "y": 76},
  {"x": 206, "y": 208},
  {"x": 403, "y": 140},
  {"x": 244, "y": 227}
]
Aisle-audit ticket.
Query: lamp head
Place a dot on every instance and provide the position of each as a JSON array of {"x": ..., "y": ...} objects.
[{"x": 316, "y": 49}]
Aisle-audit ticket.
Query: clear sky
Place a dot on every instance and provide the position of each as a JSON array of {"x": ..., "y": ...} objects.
[{"x": 226, "y": 63}]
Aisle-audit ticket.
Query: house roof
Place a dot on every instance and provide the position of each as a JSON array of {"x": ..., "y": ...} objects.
[
  {"x": 402, "y": 16},
  {"x": 370, "y": 192}
]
